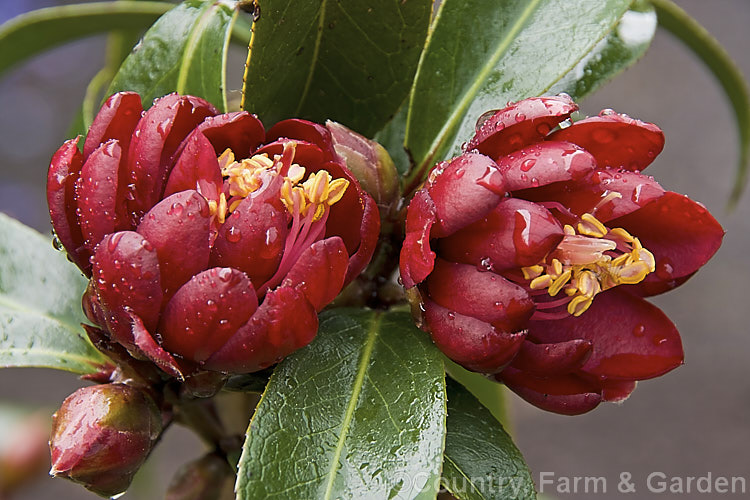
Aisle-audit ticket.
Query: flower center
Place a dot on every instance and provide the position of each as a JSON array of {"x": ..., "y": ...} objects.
[
  {"x": 308, "y": 202},
  {"x": 590, "y": 259}
]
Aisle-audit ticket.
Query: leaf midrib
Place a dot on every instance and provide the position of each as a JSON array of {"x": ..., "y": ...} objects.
[
  {"x": 191, "y": 46},
  {"x": 12, "y": 304},
  {"x": 364, "y": 364},
  {"x": 314, "y": 61},
  {"x": 463, "y": 103}
]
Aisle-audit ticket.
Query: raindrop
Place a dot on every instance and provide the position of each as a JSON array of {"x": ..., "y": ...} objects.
[
  {"x": 639, "y": 330},
  {"x": 234, "y": 234},
  {"x": 528, "y": 164}
]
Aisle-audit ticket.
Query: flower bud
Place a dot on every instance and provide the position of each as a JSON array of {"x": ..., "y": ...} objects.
[
  {"x": 23, "y": 450},
  {"x": 201, "y": 479},
  {"x": 102, "y": 434},
  {"x": 370, "y": 163}
]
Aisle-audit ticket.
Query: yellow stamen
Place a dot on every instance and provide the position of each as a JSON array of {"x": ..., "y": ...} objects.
[
  {"x": 532, "y": 272},
  {"x": 588, "y": 261},
  {"x": 560, "y": 282},
  {"x": 219, "y": 209},
  {"x": 591, "y": 226}
]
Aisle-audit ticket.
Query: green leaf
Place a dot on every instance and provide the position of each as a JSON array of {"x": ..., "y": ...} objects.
[
  {"x": 359, "y": 413},
  {"x": 184, "y": 51},
  {"x": 491, "y": 394},
  {"x": 480, "y": 461},
  {"x": 391, "y": 137},
  {"x": 482, "y": 53},
  {"x": 622, "y": 48},
  {"x": 351, "y": 62},
  {"x": 40, "y": 304},
  {"x": 709, "y": 50},
  {"x": 34, "y": 32}
]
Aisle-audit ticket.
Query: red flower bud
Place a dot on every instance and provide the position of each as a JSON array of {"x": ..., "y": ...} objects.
[
  {"x": 209, "y": 241},
  {"x": 532, "y": 253},
  {"x": 102, "y": 434}
]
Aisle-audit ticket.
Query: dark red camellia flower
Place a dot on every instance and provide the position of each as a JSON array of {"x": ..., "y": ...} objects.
[
  {"x": 533, "y": 250},
  {"x": 208, "y": 239}
]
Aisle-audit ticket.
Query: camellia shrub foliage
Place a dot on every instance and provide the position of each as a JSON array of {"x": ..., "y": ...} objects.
[{"x": 402, "y": 193}]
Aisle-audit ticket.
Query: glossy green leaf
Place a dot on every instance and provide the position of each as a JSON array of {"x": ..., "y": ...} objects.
[
  {"x": 481, "y": 462},
  {"x": 392, "y": 139},
  {"x": 184, "y": 51},
  {"x": 483, "y": 53},
  {"x": 34, "y": 32},
  {"x": 351, "y": 62},
  {"x": 40, "y": 304},
  {"x": 622, "y": 48},
  {"x": 709, "y": 50},
  {"x": 359, "y": 413}
]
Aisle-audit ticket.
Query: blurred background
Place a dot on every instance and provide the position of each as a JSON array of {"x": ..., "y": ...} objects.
[{"x": 688, "y": 423}]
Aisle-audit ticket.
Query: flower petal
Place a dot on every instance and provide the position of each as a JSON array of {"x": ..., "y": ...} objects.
[
  {"x": 155, "y": 140},
  {"x": 546, "y": 360},
  {"x": 148, "y": 347},
  {"x": 417, "y": 258},
  {"x": 116, "y": 119},
  {"x": 252, "y": 239},
  {"x": 126, "y": 279},
  {"x": 520, "y": 125},
  {"x": 62, "y": 176},
  {"x": 544, "y": 163},
  {"x": 516, "y": 233},
  {"x": 284, "y": 322},
  {"x": 471, "y": 342},
  {"x": 565, "y": 394},
  {"x": 320, "y": 271},
  {"x": 680, "y": 233},
  {"x": 481, "y": 294},
  {"x": 305, "y": 130},
  {"x": 197, "y": 167},
  {"x": 617, "y": 391},
  {"x": 632, "y": 339},
  {"x": 464, "y": 190},
  {"x": 615, "y": 140},
  {"x": 96, "y": 192},
  {"x": 240, "y": 131},
  {"x": 206, "y": 311},
  {"x": 178, "y": 227}
]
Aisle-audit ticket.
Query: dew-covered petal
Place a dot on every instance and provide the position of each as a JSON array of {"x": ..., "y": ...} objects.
[
  {"x": 680, "y": 233},
  {"x": 546, "y": 360},
  {"x": 632, "y": 339},
  {"x": 116, "y": 119},
  {"x": 240, "y": 131},
  {"x": 544, "y": 163},
  {"x": 481, "y": 294},
  {"x": 62, "y": 176},
  {"x": 96, "y": 192},
  {"x": 197, "y": 167},
  {"x": 155, "y": 141},
  {"x": 564, "y": 394},
  {"x": 417, "y": 258},
  {"x": 464, "y": 190},
  {"x": 520, "y": 125},
  {"x": 306, "y": 154},
  {"x": 607, "y": 194},
  {"x": 206, "y": 311},
  {"x": 615, "y": 140},
  {"x": 147, "y": 346},
  {"x": 178, "y": 228},
  {"x": 471, "y": 342},
  {"x": 126, "y": 279},
  {"x": 320, "y": 271},
  {"x": 515, "y": 233},
  {"x": 252, "y": 239},
  {"x": 304, "y": 130},
  {"x": 284, "y": 322}
]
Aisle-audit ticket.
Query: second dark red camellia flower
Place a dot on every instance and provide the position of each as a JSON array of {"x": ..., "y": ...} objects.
[
  {"x": 533, "y": 250},
  {"x": 209, "y": 241}
]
